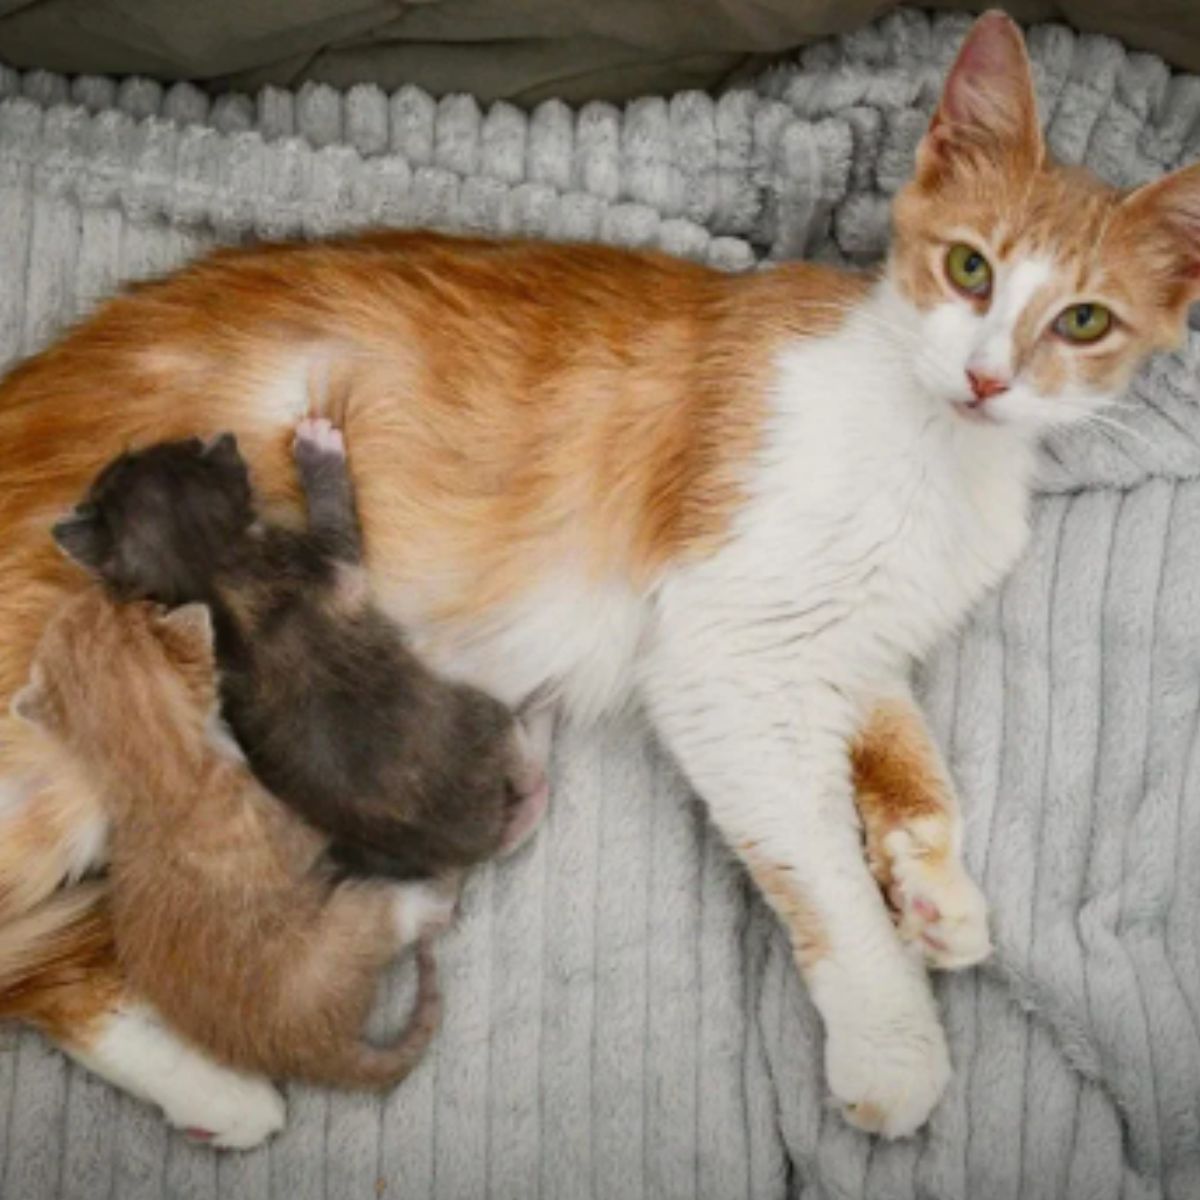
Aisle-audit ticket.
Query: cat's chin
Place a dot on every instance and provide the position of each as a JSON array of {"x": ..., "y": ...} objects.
[
  {"x": 974, "y": 413},
  {"x": 1023, "y": 416}
]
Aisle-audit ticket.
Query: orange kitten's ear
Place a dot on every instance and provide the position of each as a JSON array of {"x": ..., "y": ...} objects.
[
  {"x": 187, "y": 633},
  {"x": 32, "y": 703},
  {"x": 1170, "y": 207},
  {"x": 988, "y": 104}
]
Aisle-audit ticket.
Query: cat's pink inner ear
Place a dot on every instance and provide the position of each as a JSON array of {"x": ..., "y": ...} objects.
[
  {"x": 989, "y": 96},
  {"x": 1174, "y": 204}
]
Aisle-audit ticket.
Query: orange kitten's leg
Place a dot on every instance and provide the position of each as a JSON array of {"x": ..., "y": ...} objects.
[{"x": 913, "y": 832}]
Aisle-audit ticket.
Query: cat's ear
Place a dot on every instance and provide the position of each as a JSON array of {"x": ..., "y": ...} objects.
[
  {"x": 32, "y": 703},
  {"x": 1171, "y": 205},
  {"x": 223, "y": 449},
  {"x": 187, "y": 632},
  {"x": 81, "y": 537},
  {"x": 988, "y": 104}
]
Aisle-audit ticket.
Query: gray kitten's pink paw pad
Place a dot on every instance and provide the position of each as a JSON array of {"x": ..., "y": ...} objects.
[{"x": 318, "y": 437}]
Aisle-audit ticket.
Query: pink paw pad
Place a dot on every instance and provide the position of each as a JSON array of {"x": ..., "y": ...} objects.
[
  {"x": 321, "y": 434},
  {"x": 196, "y": 1134}
]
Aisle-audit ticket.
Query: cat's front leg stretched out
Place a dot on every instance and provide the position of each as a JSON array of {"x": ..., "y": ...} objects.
[
  {"x": 912, "y": 829},
  {"x": 766, "y": 748}
]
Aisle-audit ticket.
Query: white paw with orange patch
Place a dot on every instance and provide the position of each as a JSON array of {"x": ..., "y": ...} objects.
[
  {"x": 886, "y": 1061},
  {"x": 316, "y": 434},
  {"x": 939, "y": 906}
]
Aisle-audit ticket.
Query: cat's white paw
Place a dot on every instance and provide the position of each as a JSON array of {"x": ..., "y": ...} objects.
[
  {"x": 316, "y": 434},
  {"x": 887, "y": 1066},
  {"x": 241, "y": 1112},
  {"x": 939, "y": 906}
]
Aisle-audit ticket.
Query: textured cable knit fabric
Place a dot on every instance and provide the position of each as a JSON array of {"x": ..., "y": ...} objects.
[{"x": 624, "y": 1019}]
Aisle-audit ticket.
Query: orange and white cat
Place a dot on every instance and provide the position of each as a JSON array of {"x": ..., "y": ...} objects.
[{"x": 588, "y": 476}]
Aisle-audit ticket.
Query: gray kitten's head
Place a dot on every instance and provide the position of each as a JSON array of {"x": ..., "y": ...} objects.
[{"x": 156, "y": 523}]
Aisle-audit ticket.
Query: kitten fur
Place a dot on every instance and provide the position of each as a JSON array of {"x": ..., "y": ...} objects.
[
  {"x": 744, "y": 502},
  {"x": 221, "y": 919},
  {"x": 412, "y": 776}
]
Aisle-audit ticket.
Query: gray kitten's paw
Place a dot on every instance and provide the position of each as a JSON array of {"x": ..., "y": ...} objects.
[{"x": 318, "y": 438}]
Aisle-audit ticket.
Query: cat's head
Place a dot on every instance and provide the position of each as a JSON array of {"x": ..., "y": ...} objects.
[
  {"x": 1034, "y": 289},
  {"x": 102, "y": 667},
  {"x": 155, "y": 522}
]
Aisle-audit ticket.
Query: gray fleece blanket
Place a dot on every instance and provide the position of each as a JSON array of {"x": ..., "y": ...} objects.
[{"x": 624, "y": 1020}]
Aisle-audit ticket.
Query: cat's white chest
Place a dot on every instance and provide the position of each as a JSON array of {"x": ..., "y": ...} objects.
[{"x": 876, "y": 522}]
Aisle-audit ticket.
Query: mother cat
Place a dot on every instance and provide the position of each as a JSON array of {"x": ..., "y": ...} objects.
[{"x": 584, "y": 474}]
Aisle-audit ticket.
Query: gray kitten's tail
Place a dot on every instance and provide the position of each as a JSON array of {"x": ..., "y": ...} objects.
[{"x": 365, "y": 1066}]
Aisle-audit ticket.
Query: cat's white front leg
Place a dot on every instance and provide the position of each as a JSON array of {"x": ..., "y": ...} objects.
[{"x": 769, "y": 757}]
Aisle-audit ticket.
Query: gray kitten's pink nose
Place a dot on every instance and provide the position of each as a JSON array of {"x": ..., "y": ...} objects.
[{"x": 532, "y": 795}]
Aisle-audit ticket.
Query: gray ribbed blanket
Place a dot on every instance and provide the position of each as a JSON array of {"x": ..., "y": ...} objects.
[{"x": 624, "y": 1020}]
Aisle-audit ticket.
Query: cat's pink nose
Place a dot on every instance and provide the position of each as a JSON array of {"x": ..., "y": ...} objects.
[{"x": 984, "y": 386}]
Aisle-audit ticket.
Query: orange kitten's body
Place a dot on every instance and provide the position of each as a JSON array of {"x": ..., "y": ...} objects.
[
  {"x": 223, "y": 916},
  {"x": 587, "y": 473}
]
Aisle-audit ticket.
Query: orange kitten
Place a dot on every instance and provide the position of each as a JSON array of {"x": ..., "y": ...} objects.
[{"x": 223, "y": 917}]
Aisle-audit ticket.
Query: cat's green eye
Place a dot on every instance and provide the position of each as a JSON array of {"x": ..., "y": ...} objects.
[
  {"x": 1083, "y": 322},
  {"x": 969, "y": 271}
]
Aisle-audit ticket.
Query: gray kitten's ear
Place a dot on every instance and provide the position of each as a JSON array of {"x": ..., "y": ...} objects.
[
  {"x": 32, "y": 703},
  {"x": 188, "y": 632},
  {"x": 223, "y": 449},
  {"x": 81, "y": 538}
]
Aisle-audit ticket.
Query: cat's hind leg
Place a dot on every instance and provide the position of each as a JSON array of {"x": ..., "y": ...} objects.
[
  {"x": 59, "y": 974},
  {"x": 913, "y": 834},
  {"x": 131, "y": 1048}
]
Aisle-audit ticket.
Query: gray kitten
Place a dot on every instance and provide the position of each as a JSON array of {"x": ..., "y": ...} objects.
[{"x": 410, "y": 775}]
